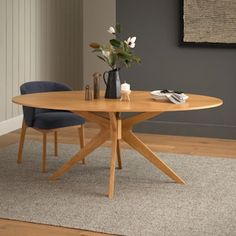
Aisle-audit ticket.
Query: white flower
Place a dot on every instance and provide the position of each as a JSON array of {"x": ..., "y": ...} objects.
[
  {"x": 131, "y": 42},
  {"x": 106, "y": 53},
  {"x": 111, "y": 30}
]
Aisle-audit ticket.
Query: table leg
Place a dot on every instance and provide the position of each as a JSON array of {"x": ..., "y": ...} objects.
[
  {"x": 95, "y": 142},
  {"x": 113, "y": 127},
  {"x": 118, "y": 129},
  {"x": 130, "y": 138},
  {"x": 55, "y": 144},
  {"x": 119, "y": 155},
  {"x": 139, "y": 146}
]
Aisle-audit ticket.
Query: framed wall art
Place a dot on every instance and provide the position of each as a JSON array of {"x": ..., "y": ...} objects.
[{"x": 208, "y": 23}]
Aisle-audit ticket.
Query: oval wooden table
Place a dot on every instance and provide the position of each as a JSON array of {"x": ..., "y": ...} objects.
[{"x": 107, "y": 114}]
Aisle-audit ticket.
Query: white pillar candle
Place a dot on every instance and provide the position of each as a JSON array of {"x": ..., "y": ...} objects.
[{"x": 125, "y": 87}]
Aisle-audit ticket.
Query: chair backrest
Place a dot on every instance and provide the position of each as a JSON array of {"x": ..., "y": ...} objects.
[{"x": 39, "y": 87}]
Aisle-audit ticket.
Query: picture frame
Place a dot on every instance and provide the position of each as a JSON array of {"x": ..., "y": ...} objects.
[{"x": 190, "y": 42}]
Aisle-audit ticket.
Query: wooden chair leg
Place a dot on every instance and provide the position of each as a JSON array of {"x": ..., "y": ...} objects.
[
  {"x": 113, "y": 124},
  {"x": 44, "y": 159},
  {"x": 81, "y": 138},
  {"x": 118, "y": 155},
  {"x": 55, "y": 144},
  {"x": 21, "y": 144}
]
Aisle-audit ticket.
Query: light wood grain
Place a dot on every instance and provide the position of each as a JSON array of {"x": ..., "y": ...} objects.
[
  {"x": 119, "y": 128},
  {"x": 141, "y": 101},
  {"x": 130, "y": 138},
  {"x": 114, "y": 139},
  {"x": 81, "y": 138},
  {"x": 21, "y": 144},
  {"x": 94, "y": 143},
  {"x": 143, "y": 149},
  {"x": 200, "y": 146},
  {"x": 119, "y": 155},
  {"x": 55, "y": 144},
  {"x": 44, "y": 154},
  {"x": 13, "y": 228},
  {"x": 127, "y": 135},
  {"x": 45, "y": 133}
]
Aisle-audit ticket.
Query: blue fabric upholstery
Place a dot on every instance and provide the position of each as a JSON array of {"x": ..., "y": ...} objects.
[
  {"x": 53, "y": 120},
  {"x": 45, "y": 118}
]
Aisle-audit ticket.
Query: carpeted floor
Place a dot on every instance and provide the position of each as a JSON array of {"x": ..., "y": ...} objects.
[{"x": 146, "y": 202}]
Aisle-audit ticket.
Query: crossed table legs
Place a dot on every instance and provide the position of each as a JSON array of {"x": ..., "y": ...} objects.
[{"x": 112, "y": 126}]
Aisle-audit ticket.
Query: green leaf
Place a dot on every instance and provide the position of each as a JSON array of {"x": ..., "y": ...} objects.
[
  {"x": 125, "y": 56},
  {"x": 122, "y": 45},
  {"x": 126, "y": 48},
  {"x": 112, "y": 59},
  {"x": 115, "y": 43}
]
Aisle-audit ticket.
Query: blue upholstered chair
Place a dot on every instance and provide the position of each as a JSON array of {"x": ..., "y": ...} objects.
[{"x": 45, "y": 120}]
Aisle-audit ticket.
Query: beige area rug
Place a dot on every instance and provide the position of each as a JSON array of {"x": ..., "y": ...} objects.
[{"x": 146, "y": 202}]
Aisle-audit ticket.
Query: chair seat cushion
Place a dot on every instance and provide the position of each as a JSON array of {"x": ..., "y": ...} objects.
[{"x": 57, "y": 119}]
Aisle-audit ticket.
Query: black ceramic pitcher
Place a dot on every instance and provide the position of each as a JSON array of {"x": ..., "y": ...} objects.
[{"x": 112, "y": 81}]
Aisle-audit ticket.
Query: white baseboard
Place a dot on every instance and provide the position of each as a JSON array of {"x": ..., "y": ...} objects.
[{"x": 10, "y": 125}]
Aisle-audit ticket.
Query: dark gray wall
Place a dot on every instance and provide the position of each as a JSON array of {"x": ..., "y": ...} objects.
[{"x": 207, "y": 71}]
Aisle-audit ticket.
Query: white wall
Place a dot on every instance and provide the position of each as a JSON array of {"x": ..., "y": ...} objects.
[
  {"x": 48, "y": 40},
  {"x": 98, "y": 15},
  {"x": 16, "y": 51}
]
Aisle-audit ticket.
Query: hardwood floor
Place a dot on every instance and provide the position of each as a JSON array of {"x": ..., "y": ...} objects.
[
  {"x": 18, "y": 228},
  {"x": 162, "y": 143}
]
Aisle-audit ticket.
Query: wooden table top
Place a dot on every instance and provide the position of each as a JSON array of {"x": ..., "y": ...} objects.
[{"x": 141, "y": 101}]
